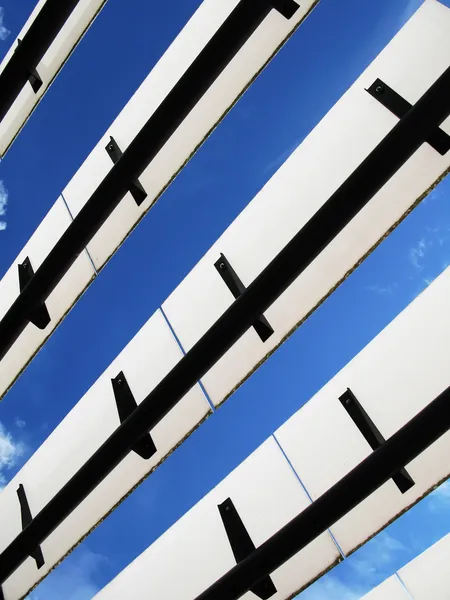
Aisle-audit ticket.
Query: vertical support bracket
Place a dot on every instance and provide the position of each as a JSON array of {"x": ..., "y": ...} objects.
[
  {"x": 287, "y": 8},
  {"x": 242, "y": 546},
  {"x": 237, "y": 288},
  {"x": 33, "y": 78},
  {"x": 367, "y": 427},
  {"x": 438, "y": 139},
  {"x": 25, "y": 512},
  {"x": 135, "y": 189},
  {"x": 126, "y": 405},
  {"x": 39, "y": 316}
]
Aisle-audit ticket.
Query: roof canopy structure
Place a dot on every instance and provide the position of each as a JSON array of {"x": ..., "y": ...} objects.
[{"x": 347, "y": 463}]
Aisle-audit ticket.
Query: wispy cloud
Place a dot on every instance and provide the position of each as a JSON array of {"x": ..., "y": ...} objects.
[
  {"x": 10, "y": 451},
  {"x": 440, "y": 498},
  {"x": 417, "y": 253},
  {"x": 362, "y": 571},
  {"x": 435, "y": 238},
  {"x": 430, "y": 256},
  {"x": 425, "y": 256},
  {"x": 3, "y": 201},
  {"x": 4, "y": 32},
  {"x": 330, "y": 587},
  {"x": 74, "y": 579},
  {"x": 388, "y": 289},
  {"x": 378, "y": 558},
  {"x": 20, "y": 423}
]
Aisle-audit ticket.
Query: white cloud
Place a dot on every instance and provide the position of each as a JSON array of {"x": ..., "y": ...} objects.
[
  {"x": 385, "y": 546},
  {"x": 435, "y": 238},
  {"x": 360, "y": 572},
  {"x": 4, "y": 32},
  {"x": 417, "y": 253},
  {"x": 10, "y": 451},
  {"x": 426, "y": 259},
  {"x": 377, "y": 559},
  {"x": 74, "y": 579},
  {"x": 430, "y": 256},
  {"x": 440, "y": 498},
  {"x": 388, "y": 289},
  {"x": 330, "y": 587},
  {"x": 3, "y": 196},
  {"x": 20, "y": 423}
]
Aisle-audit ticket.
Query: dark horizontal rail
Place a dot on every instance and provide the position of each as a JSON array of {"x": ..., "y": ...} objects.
[
  {"x": 379, "y": 166},
  {"x": 209, "y": 64},
  {"x": 399, "y": 450},
  {"x": 32, "y": 48}
]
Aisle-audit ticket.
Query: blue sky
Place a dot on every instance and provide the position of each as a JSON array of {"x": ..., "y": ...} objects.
[{"x": 318, "y": 64}]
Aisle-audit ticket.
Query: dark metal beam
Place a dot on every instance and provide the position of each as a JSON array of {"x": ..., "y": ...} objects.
[
  {"x": 191, "y": 87},
  {"x": 381, "y": 164},
  {"x": 399, "y": 450}
]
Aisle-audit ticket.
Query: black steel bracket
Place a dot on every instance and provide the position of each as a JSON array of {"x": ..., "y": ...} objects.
[
  {"x": 367, "y": 427},
  {"x": 135, "y": 189},
  {"x": 33, "y": 78},
  {"x": 438, "y": 139},
  {"x": 126, "y": 404},
  {"x": 237, "y": 288},
  {"x": 25, "y": 512},
  {"x": 242, "y": 545},
  {"x": 39, "y": 316},
  {"x": 287, "y": 8}
]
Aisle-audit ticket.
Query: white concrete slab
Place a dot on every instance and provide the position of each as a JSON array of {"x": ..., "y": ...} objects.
[
  {"x": 196, "y": 551},
  {"x": 145, "y": 361},
  {"x": 410, "y": 64},
  {"x": 400, "y": 372}
]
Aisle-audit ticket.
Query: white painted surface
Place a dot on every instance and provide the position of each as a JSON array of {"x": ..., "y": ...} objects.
[
  {"x": 427, "y": 577},
  {"x": 195, "y": 551},
  {"x": 410, "y": 64},
  {"x": 391, "y": 589},
  {"x": 159, "y": 82},
  {"x": 145, "y": 361},
  {"x": 209, "y": 110},
  {"x": 400, "y": 372},
  {"x": 55, "y": 57},
  {"x": 58, "y": 303},
  {"x": 323, "y": 444}
]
